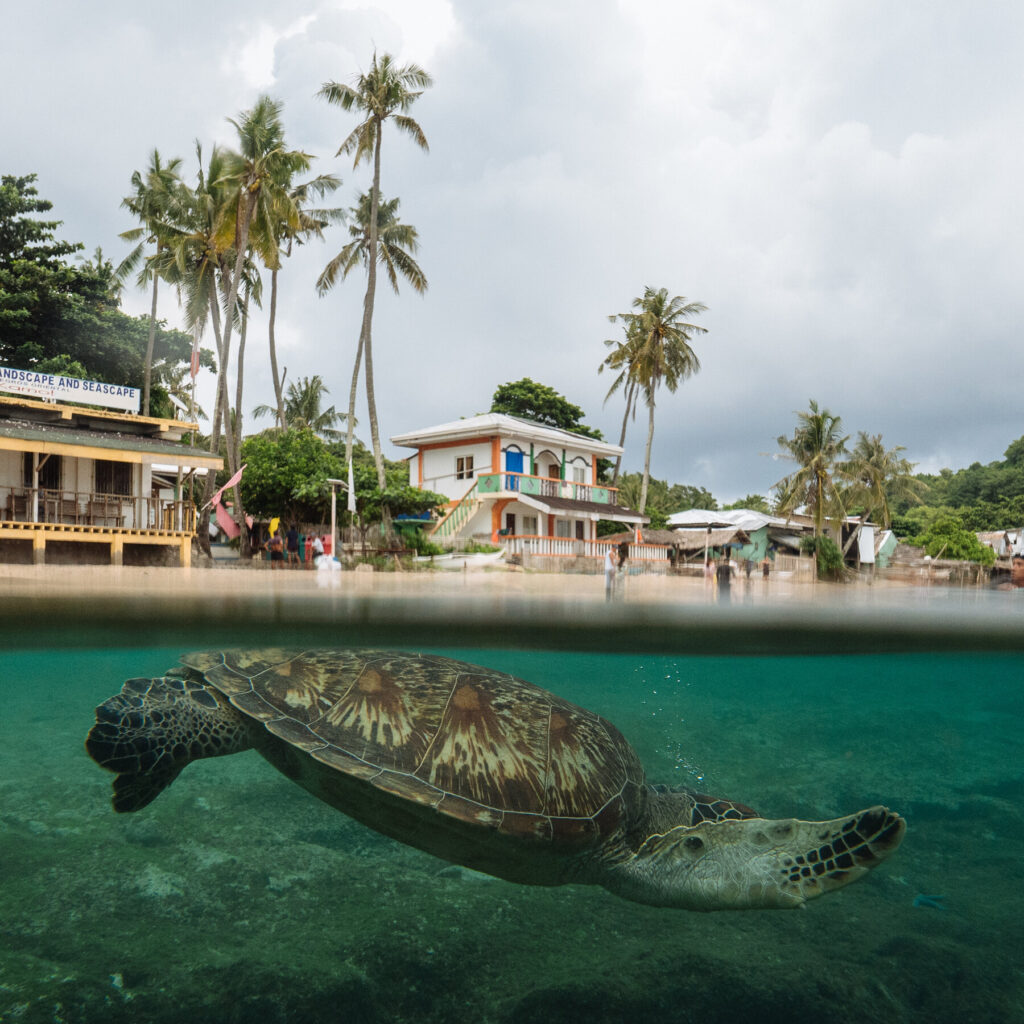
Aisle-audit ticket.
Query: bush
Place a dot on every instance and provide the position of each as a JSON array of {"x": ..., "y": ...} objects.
[
  {"x": 830, "y": 558},
  {"x": 475, "y": 547},
  {"x": 947, "y": 537}
]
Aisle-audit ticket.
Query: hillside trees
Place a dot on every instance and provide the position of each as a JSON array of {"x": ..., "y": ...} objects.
[{"x": 58, "y": 314}]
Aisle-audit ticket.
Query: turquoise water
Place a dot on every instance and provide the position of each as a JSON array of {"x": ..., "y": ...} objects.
[{"x": 237, "y": 897}]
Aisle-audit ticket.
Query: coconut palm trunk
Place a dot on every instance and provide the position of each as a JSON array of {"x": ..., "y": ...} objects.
[
  {"x": 647, "y": 454},
  {"x": 278, "y": 383},
  {"x": 243, "y": 536},
  {"x": 150, "y": 344},
  {"x": 371, "y": 287},
  {"x": 630, "y": 399}
]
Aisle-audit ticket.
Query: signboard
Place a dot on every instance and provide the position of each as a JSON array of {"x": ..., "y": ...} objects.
[{"x": 55, "y": 388}]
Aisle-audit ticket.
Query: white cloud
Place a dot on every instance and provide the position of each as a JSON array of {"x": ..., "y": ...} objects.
[{"x": 844, "y": 200}]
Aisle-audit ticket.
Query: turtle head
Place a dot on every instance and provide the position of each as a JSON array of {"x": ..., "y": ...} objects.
[{"x": 756, "y": 863}]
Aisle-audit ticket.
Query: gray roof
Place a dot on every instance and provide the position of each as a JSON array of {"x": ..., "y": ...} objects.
[{"x": 52, "y": 433}]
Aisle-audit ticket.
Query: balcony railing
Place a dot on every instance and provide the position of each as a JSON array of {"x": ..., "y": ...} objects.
[
  {"x": 94, "y": 509},
  {"x": 544, "y": 487}
]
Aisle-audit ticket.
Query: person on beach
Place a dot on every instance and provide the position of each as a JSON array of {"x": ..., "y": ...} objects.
[
  {"x": 292, "y": 537},
  {"x": 276, "y": 548},
  {"x": 609, "y": 572},
  {"x": 766, "y": 567},
  {"x": 724, "y": 575}
]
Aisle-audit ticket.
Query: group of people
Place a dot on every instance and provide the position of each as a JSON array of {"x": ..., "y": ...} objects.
[{"x": 283, "y": 550}]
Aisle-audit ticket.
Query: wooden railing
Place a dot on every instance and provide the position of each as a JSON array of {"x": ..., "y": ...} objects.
[
  {"x": 95, "y": 509},
  {"x": 572, "y": 548}
]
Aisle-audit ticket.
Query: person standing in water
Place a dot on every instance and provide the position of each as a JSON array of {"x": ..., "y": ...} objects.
[
  {"x": 609, "y": 572},
  {"x": 724, "y": 575}
]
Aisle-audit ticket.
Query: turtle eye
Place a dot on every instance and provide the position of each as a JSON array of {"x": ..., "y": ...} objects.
[{"x": 693, "y": 843}]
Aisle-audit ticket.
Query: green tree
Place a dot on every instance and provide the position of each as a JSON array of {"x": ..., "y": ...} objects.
[
  {"x": 304, "y": 408},
  {"x": 152, "y": 200},
  {"x": 876, "y": 477},
  {"x": 827, "y": 556},
  {"x": 754, "y": 502},
  {"x": 396, "y": 244},
  {"x": 658, "y": 352},
  {"x": 38, "y": 289},
  {"x": 52, "y": 310},
  {"x": 256, "y": 179},
  {"x": 310, "y": 223},
  {"x": 385, "y": 92},
  {"x": 817, "y": 447},
  {"x": 286, "y": 475},
  {"x": 621, "y": 359},
  {"x": 947, "y": 537},
  {"x": 539, "y": 403}
]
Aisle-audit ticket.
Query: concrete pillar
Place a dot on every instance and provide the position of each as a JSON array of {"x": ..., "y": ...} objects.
[
  {"x": 117, "y": 551},
  {"x": 38, "y": 548},
  {"x": 185, "y": 549}
]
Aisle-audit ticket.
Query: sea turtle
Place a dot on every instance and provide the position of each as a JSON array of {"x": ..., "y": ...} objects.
[{"x": 479, "y": 768}]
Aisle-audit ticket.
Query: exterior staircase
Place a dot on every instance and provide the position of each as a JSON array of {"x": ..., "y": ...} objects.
[{"x": 457, "y": 517}]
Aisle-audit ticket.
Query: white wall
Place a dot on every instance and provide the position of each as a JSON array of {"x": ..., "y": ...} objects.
[{"x": 439, "y": 468}]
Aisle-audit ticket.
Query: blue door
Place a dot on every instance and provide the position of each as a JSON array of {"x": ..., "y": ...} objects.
[{"x": 513, "y": 464}]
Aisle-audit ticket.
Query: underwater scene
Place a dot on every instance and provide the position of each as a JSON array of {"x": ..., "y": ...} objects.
[{"x": 236, "y": 896}]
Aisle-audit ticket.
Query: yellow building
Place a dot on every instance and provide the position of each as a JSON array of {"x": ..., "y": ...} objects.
[{"x": 81, "y": 484}]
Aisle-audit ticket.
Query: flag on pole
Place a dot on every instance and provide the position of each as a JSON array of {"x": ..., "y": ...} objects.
[
  {"x": 351, "y": 490},
  {"x": 225, "y": 522},
  {"x": 231, "y": 483}
]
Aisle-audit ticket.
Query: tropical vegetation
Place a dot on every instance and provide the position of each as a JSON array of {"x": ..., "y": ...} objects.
[
  {"x": 656, "y": 351},
  {"x": 64, "y": 316},
  {"x": 303, "y": 409},
  {"x": 385, "y": 92}
]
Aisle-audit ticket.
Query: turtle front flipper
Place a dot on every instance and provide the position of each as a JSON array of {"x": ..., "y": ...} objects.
[
  {"x": 149, "y": 731},
  {"x": 753, "y": 863}
]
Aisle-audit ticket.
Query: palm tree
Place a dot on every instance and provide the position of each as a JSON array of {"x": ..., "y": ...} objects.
[
  {"x": 255, "y": 179},
  {"x": 384, "y": 92},
  {"x": 396, "y": 242},
  {"x": 311, "y": 223},
  {"x": 876, "y": 476},
  {"x": 151, "y": 201},
  {"x": 817, "y": 446},
  {"x": 620, "y": 359},
  {"x": 657, "y": 351},
  {"x": 304, "y": 408}
]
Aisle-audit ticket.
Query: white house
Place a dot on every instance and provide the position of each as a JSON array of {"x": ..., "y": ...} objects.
[{"x": 511, "y": 479}]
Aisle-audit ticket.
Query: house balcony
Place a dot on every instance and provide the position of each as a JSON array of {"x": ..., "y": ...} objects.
[
  {"x": 33, "y": 506},
  {"x": 511, "y": 485},
  {"x": 37, "y": 516}
]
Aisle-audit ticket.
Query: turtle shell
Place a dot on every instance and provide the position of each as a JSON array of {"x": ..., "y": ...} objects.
[{"x": 480, "y": 746}]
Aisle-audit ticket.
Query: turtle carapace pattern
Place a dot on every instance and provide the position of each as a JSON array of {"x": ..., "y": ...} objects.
[{"x": 479, "y": 768}]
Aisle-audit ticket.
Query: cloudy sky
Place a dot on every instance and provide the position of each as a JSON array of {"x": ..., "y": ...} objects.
[{"x": 838, "y": 181}]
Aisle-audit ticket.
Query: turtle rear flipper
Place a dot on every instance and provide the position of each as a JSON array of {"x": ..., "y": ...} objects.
[{"x": 149, "y": 731}]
